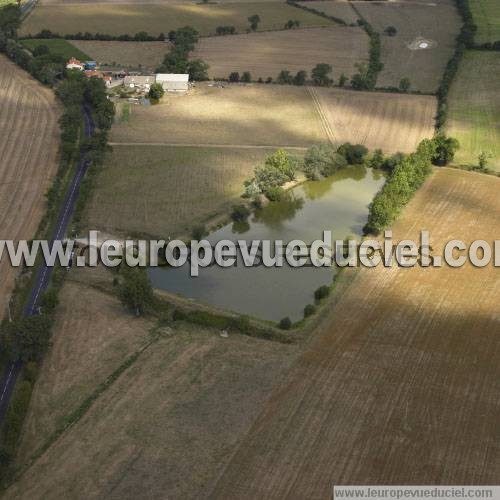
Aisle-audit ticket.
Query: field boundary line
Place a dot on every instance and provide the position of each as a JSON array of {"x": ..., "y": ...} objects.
[
  {"x": 198, "y": 145},
  {"x": 78, "y": 413},
  {"x": 324, "y": 120}
]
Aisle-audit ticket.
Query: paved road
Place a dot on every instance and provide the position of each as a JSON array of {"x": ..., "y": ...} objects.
[{"x": 9, "y": 377}]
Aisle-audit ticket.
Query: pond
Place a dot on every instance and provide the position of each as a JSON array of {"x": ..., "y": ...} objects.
[{"x": 338, "y": 203}]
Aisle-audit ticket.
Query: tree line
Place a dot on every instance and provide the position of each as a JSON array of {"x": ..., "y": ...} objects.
[
  {"x": 406, "y": 174},
  {"x": 177, "y": 60}
]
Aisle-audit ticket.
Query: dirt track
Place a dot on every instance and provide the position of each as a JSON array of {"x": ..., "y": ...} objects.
[
  {"x": 28, "y": 159},
  {"x": 401, "y": 384}
]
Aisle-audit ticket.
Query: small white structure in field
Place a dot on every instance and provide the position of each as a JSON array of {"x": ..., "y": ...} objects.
[
  {"x": 173, "y": 82},
  {"x": 140, "y": 82},
  {"x": 74, "y": 64}
]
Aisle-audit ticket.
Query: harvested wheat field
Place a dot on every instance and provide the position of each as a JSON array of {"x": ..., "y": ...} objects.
[
  {"x": 136, "y": 55},
  {"x": 127, "y": 18},
  {"x": 266, "y": 54},
  {"x": 28, "y": 152},
  {"x": 258, "y": 115},
  {"x": 339, "y": 9},
  {"x": 391, "y": 122},
  {"x": 169, "y": 423},
  {"x": 401, "y": 384},
  {"x": 435, "y": 24},
  {"x": 165, "y": 191}
]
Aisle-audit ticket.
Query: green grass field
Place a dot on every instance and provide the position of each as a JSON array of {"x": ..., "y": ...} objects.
[
  {"x": 116, "y": 19},
  {"x": 474, "y": 108},
  {"x": 57, "y": 46},
  {"x": 487, "y": 17}
]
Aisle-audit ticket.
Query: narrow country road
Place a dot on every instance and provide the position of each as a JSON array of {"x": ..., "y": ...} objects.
[{"x": 9, "y": 377}]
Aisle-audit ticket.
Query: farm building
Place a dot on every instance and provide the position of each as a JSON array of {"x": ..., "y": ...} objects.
[
  {"x": 92, "y": 73},
  {"x": 173, "y": 82},
  {"x": 74, "y": 64},
  {"x": 139, "y": 82}
]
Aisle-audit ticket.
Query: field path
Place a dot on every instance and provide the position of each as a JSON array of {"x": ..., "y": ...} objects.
[
  {"x": 198, "y": 145},
  {"x": 324, "y": 120}
]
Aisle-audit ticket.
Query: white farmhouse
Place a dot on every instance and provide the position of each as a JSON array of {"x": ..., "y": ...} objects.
[
  {"x": 74, "y": 64},
  {"x": 173, "y": 82}
]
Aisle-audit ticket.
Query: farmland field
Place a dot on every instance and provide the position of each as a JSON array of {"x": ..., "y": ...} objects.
[
  {"x": 58, "y": 46},
  {"x": 264, "y": 115},
  {"x": 437, "y": 23},
  {"x": 145, "y": 55},
  {"x": 392, "y": 122},
  {"x": 28, "y": 146},
  {"x": 400, "y": 385},
  {"x": 81, "y": 356},
  {"x": 266, "y": 54},
  {"x": 169, "y": 423},
  {"x": 117, "y": 19},
  {"x": 341, "y": 10},
  {"x": 486, "y": 15},
  {"x": 474, "y": 107},
  {"x": 165, "y": 191}
]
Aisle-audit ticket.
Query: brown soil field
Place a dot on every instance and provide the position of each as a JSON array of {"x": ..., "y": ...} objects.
[
  {"x": 266, "y": 115},
  {"x": 266, "y": 54},
  {"x": 167, "y": 426},
  {"x": 341, "y": 10},
  {"x": 401, "y": 385},
  {"x": 130, "y": 18},
  {"x": 437, "y": 22},
  {"x": 392, "y": 122},
  {"x": 28, "y": 149},
  {"x": 137, "y": 55},
  {"x": 165, "y": 191}
]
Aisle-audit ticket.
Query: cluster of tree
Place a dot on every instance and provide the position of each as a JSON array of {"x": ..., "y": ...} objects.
[
  {"x": 269, "y": 178},
  {"x": 291, "y": 23},
  {"x": 469, "y": 28},
  {"x": 390, "y": 31},
  {"x": 254, "y": 21},
  {"x": 177, "y": 60},
  {"x": 408, "y": 172},
  {"x": 135, "y": 290},
  {"x": 322, "y": 160},
  {"x": 156, "y": 91},
  {"x": 26, "y": 339},
  {"x": 235, "y": 77},
  {"x": 141, "y": 36},
  {"x": 225, "y": 30},
  {"x": 286, "y": 78},
  {"x": 301, "y": 5},
  {"x": 366, "y": 77}
]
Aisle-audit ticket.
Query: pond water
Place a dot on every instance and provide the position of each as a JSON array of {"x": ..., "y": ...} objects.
[{"x": 338, "y": 203}]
